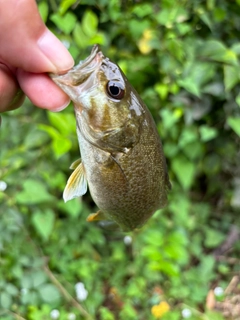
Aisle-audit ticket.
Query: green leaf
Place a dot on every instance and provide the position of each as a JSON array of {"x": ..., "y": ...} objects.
[
  {"x": 43, "y": 222},
  {"x": 238, "y": 99},
  {"x": 188, "y": 135},
  {"x": 216, "y": 51},
  {"x": 27, "y": 281},
  {"x": 74, "y": 207},
  {"x": 183, "y": 28},
  {"x": 195, "y": 75},
  {"x": 175, "y": 47},
  {"x": 207, "y": 133},
  {"x": 65, "y": 23},
  {"x": 180, "y": 207},
  {"x": 213, "y": 238},
  {"x": 190, "y": 86},
  {"x": 60, "y": 143},
  {"x": 170, "y": 149},
  {"x": 213, "y": 315},
  {"x": 206, "y": 268},
  {"x": 169, "y": 118},
  {"x": 65, "y": 5},
  {"x": 166, "y": 267},
  {"x": 89, "y": 23},
  {"x": 163, "y": 17},
  {"x": 142, "y": 10},
  {"x": 219, "y": 14},
  {"x": 65, "y": 123},
  {"x": 205, "y": 17},
  {"x": 236, "y": 48},
  {"x": 98, "y": 38},
  {"x": 30, "y": 298},
  {"x": 35, "y": 138},
  {"x": 137, "y": 27},
  {"x": 162, "y": 90},
  {"x": 61, "y": 146},
  {"x": 43, "y": 10},
  {"x": 39, "y": 277},
  {"x": 11, "y": 289},
  {"x": 193, "y": 150},
  {"x": 106, "y": 314},
  {"x": 79, "y": 36},
  {"x": 231, "y": 77},
  {"x": 171, "y": 15},
  {"x": 52, "y": 132},
  {"x": 128, "y": 311},
  {"x": 49, "y": 293},
  {"x": 234, "y": 123},
  {"x": 33, "y": 192},
  {"x": 184, "y": 170},
  {"x": 154, "y": 238},
  {"x": 5, "y": 300}
]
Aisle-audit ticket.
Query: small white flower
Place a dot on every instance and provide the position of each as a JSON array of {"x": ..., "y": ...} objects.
[
  {"x": 54, "y": 314},
  {"x": 71, "y": 316},
  {"x": 127, "y": 240},
  {"x": 218, "y": 291},
  {"x": 186, "y": 313},
  {"x": 81, "y": 292},
  {"x": 24, "y": 291},
  {"x": 3, "y": 185},
  {"x": 66, "y": 43}
]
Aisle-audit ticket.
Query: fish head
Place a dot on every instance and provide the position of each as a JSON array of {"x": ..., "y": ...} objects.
[{"x": 101, "y": 93}]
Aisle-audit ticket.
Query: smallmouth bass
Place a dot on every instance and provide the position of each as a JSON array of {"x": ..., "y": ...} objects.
[{"x": 122, "y": 159}]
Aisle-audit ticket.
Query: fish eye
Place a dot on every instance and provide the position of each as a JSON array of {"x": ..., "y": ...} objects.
[{"x": 115, "y": 90}]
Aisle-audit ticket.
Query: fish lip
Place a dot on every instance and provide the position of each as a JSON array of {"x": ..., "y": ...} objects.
[
  {"x": 79, "y": 74},
  {"x": 90, "y": 58}
]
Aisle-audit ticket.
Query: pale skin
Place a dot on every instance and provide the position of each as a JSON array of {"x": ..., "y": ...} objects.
[{"x": 28, "y": 51}]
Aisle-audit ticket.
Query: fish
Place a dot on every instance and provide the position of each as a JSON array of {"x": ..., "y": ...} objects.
[{"x": 122, "y": 160}]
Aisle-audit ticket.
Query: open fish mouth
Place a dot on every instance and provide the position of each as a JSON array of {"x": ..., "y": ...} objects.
[{"x": 80, "y": 73}]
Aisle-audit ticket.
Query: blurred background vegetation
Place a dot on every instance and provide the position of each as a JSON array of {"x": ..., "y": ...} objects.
[{"x": 183, "y": 59}]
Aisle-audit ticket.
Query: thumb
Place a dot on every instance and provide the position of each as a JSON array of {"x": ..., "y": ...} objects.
[{"x": 26, "y": 43}]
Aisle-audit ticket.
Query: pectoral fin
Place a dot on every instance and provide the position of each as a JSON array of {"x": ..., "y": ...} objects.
[
  {"x": 98, "y": 216},
  {"x": 76, "y": 184}
]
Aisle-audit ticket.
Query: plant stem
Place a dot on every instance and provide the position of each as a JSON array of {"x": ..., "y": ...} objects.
[{"x": 66, "y": 294}]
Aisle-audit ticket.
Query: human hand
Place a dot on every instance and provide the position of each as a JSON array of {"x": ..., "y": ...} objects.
[{"x": 28, "y": 51}]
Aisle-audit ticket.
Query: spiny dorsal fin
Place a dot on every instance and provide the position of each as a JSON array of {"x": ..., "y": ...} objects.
[{"x": 76, "y": 184}]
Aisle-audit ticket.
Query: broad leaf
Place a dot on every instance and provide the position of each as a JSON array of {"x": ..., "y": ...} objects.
[
  {"x": 33, "y": 192},
  {"x": 234, "y": 123},
  {"x": 184, "y": 170},
  {"x": 43, "y": 222}
]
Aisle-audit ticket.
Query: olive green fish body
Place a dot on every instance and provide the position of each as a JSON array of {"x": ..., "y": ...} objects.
[{"x": 122, "y": 160}]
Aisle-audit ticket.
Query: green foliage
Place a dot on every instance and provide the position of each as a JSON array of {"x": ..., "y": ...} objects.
[{"x": 183, "y": 59}]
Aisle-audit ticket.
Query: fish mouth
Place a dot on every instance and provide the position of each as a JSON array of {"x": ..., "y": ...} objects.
[{"x": 78, "y": 75}]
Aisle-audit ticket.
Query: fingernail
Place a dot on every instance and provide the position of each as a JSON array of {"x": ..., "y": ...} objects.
[
  {"x": 55, "y": 51},
  {"x": 61, "y": 107}
]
